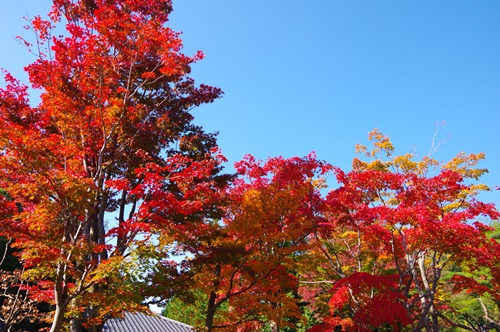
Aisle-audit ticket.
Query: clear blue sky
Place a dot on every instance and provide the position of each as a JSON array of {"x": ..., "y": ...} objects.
[{"x": 303, "y": 76}]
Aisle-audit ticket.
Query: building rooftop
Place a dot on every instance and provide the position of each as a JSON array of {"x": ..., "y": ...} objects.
[{"x": 140, "y": 322}]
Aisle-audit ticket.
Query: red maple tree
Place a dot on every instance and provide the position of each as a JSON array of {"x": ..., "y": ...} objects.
[
  {"x": 110, "y": 153},
  {"x": 245, "y": 268},
  {"x": 393, "y": 229}
]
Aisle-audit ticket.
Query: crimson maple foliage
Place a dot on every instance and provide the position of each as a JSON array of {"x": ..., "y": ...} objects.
[
  {"x": 392, "y": 230},
  {"x": 246, "y": 268},
  {"x": 273, "y": 209},
  {"x": 109, "y": 154}
]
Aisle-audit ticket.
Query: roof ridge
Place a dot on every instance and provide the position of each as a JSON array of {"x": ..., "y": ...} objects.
[{"x": 145, "y": 321}]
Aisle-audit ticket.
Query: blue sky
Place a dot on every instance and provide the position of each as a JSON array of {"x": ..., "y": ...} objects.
[{"x": 302, "y": 76}]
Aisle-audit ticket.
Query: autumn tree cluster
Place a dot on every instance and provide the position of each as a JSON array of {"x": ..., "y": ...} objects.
[{"x": 112, "y": 198}]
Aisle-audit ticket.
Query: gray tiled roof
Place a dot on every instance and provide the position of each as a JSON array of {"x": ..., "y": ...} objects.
[{"x": 139, "y": 322}]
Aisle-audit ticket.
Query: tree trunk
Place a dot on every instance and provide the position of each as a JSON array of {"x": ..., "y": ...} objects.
[
  {"x": 58, "y": 318},
  {"x": 60, "y": 296},
  {"x": 209, "y": 321},
  {"x": 211, "y": 300},
  {"x": 429, "y": 314}
]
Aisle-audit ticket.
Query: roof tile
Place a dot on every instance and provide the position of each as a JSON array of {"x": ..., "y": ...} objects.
[{"x": 140, "y": 322}]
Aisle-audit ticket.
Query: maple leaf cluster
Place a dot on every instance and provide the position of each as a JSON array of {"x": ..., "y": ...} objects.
[{"x": 112, "y": 197}]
